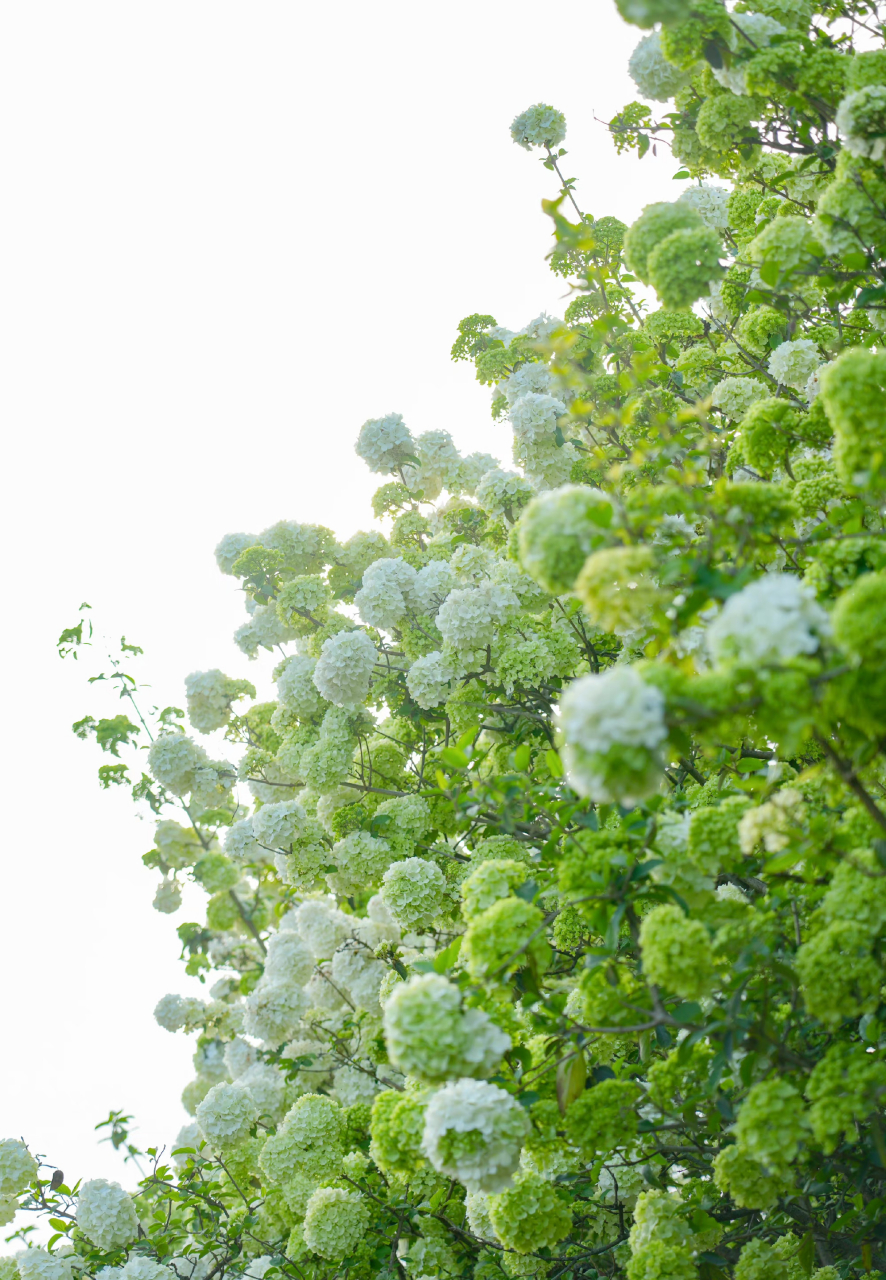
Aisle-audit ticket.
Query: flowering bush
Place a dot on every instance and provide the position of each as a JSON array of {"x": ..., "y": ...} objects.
[{"x": 546, "y": 902}]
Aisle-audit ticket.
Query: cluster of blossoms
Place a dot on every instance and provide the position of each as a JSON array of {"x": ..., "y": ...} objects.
[{"x": 546, "y": 899}]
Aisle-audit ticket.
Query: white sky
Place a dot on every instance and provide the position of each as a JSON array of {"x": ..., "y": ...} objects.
[{"x": 230, "y": 234}]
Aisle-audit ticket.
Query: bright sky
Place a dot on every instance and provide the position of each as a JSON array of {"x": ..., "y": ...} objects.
[{"x": 231, "y": 233}]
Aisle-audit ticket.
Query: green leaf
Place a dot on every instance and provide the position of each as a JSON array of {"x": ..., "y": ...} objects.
[
  {"x": 527, "y": 891},
  {"x": 681, "y": 174},
  {"x": 522, "y": 756},
  {"x": 554, "y": 763},
  {"x": 454, "y": 758},
  {"x": 571, "y": 1077},
  {"x": 448, "y": 956},
  {"x": 688, "y": 1012}
]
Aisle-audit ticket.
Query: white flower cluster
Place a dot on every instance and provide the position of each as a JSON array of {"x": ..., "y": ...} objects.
[
  {"x": 413, "y": 891},
  {"x": 141, "y": 1267},
  {"x": 474, "y": 1132},
  {"x": 470, "y": 616},
  {"x": 385, "y": 444},
  {"x": 274, "y": 1009},
  {"x": 472, "y": 469},
  {"x": 655, "y": 77},
  {"x": 288, "y": 958},
  {"x": 387, "y": 592},
  {"x": 226, "y": 1116},
  {"x": 712, "y": 203},
  {"x": 539, "y": 126},
  {"x": 502, "y": 493},
  {"x": 106, "y": 1214},
  {"x": 266, "y": 1085},
  {"x": 770, "y": 620},
  {"x": 439, "y": 465},
  {"x": 355, "y": 969},
  {"x": 38, "y": 1264},
  {"x": 277, "y": 826},
  {"x": 360, "y": 860},
  {"x": 793, "y": 363},
  {"x": 264, "y": 630},
  {"x": 240, "y": 842},
  {"x": 231, "y": 548},
  {"x": 295, "y": 686},
  {"x": 17, "y": 1167},
  {"x": 533, "y": 377},
  {"x": 861, "y": 122},
  {"x": 335, "y": 1222},
  {"x": 429, "y": 680},
  {"x": 616, "y": 710},
  {"x": 168, "y": 897},
  {"x": 734, "y": 396},
  {"x": 175, "y": 761},
  {"x": 177, "y": 1013},
  {"x": 429, "y": 1035},
  {"x": 344, "y": 668},
  {"x": 209, "y": 697},
  {"x": 320, "y": 925},
  {"x": 534, "y": 417}
]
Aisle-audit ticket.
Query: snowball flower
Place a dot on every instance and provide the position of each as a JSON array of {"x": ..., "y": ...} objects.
[
  {"x": 385, "y": 444},
  {"x": 473, "y": 468},
  {"x": 539, "y": 126},
  {"x": 296, "y": 688},
  {"x": 174, "y": 759},
  {"x": 226, "y": 1115},
  {"x": 320, "y": 926},
  {"x": 360, "y": 861},
  {"x": 239, "y": 1056},
  {"x": 534, "y": 376},
  {"x": 429, "y": 680},
  {"x": 344, "y": 668},
  {"x": 209, "y": 697},
  {"x": 168, "y": 897},
  {"x": 356, "y": 970},
  {"x": 266, "y": 1086},
  {"x": 611, "y": 727},
  {"x": 288, "y": 959},
  {"x": 231, "y": 548},
  {"x": 655, "y": 77},
  {"x": 534, "y": 416},
  {"x": 38, "y": 1264},
  {"x": 240, "y": 842},
  {"x": 792, "y": 363},
  {"x": 770, "y": 620},
  {"x": 861, "y": 122},
  {"x": 429, "y": 1035},
  {"x": 187, "y": 1136},
  {"x": 503, "y": 493},
  {"x": 413, "y": 891},
  {"x": 17, "y": 1167},
  {"x": 141, "y": 1267},
  {"x": 386, "y": 593},
  {"x": 470, "y": 615},
  {"x": 106, "y": 1214},
  {"x": 353, "y": 1086},
  {"x": 474, "y": 1132},
  {"x": 335, "y": 1222},
  {"x": 734, "y": 396},
  {"x": 277, "y": 826},
  {"x": 711, "y": 202},
  {"x": 175, "y": 1013},
  {"x": 431, "y": 586},
  {"x": 273, "y": 1011}
]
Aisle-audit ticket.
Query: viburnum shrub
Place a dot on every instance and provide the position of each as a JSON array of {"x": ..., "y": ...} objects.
[{"x": 547, "y": 901}]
